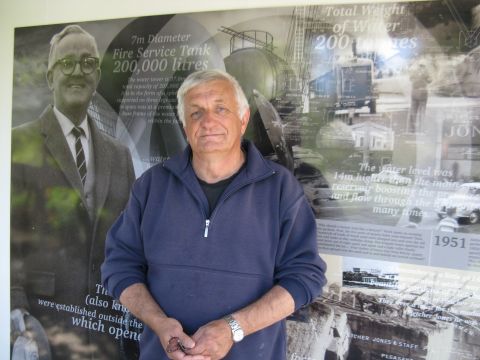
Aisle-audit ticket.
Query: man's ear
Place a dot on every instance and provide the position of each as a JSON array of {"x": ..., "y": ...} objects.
[
  {"x": 244, "y": 120},
  {"x": 49, "y": 77},
  {"x": 99, "y": 75}
]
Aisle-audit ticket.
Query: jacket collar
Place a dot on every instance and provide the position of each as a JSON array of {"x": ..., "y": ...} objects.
[
  {"x": 256, "y": 169},
  {"x": 257, "y": 166},
  {"x": 57, "y": 146}
]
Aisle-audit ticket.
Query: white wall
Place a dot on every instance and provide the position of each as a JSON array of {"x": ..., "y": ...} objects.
[{"x": 18, "y": 13}]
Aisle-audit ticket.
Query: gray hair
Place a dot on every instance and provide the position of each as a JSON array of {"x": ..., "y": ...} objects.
[
  {"x": 204, "y": 76},
  {"x": 69, "y": 29}
]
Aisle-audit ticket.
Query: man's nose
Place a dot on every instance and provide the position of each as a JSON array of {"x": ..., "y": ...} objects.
[
  {"x": 208, "y": 118},
  {"x": 77, "y": 70}
]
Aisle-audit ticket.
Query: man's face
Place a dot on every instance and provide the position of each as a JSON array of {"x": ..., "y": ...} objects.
[
  {"x": 212, "y": 123},
  {"x": 72, "y": 93}
]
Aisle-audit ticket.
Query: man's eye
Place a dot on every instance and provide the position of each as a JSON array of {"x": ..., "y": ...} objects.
[
  {"x": 68, "y": 63},
  {"x": 222, "y": 110},
  {"x": 196, "y": 115}
]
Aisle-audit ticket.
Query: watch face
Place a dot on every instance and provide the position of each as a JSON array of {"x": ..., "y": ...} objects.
[{"x": 237, "y": 335}]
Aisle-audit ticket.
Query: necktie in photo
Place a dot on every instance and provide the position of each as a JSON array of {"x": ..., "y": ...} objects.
[{"x": 79, "y": 154}]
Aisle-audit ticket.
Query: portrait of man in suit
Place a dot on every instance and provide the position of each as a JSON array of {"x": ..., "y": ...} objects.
[{"x": 69, "y": 182}]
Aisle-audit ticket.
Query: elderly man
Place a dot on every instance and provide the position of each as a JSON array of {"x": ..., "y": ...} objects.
[
  {"x": 69, "y": 183},
  {"x": 217, "y": 245}
]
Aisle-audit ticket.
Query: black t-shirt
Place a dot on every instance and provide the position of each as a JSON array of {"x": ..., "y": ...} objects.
[{"x": 215, "y": 190}]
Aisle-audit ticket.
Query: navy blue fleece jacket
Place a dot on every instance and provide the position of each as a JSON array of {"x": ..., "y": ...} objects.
[{"x": 261, "y": 233}]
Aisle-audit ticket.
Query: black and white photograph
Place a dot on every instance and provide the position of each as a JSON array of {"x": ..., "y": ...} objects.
[{"x": 373, "y": 107}]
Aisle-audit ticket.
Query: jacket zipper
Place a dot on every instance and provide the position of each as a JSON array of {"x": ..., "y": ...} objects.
[
  {"x": 224, "y": 198},
  {"x": 209, "y": 221},
  {"x": 207, "y": 224}
]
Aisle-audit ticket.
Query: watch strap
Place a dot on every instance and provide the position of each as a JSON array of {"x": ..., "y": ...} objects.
[{"x": 237, "y": 331}]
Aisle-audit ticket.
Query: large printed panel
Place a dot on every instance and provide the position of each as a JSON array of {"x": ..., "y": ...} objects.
[{"x": 374, "y": 108}]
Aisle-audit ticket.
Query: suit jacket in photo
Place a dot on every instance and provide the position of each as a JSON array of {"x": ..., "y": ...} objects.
[{"x": 56, "y": 246}]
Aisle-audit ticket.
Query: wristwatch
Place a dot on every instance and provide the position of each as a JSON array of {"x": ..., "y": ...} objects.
[{"x": 237, "y": 331}]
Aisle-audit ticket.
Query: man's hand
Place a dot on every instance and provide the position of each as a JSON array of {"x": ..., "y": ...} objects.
[
  {"x": 213, "y": 340},
  {"x": 140, "y": 302},
  {"x": 166, "y": 329},
  {"x": 174, "y": 341}
]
